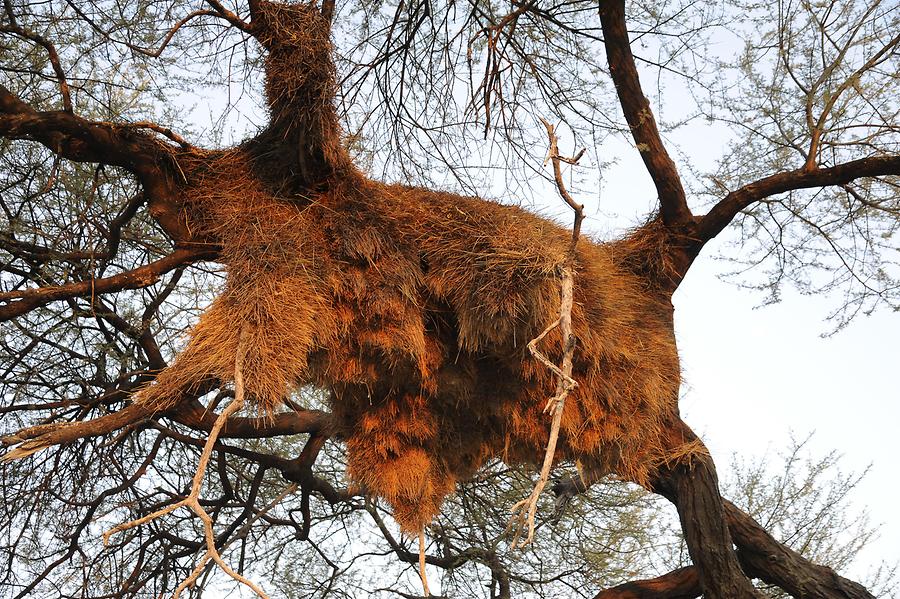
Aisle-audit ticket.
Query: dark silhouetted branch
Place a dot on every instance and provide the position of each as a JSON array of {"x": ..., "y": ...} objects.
[
  {"x": 722, "y": 213},
  {"x": 672, "y": 199},
  {"x": 20, "y": 302}
]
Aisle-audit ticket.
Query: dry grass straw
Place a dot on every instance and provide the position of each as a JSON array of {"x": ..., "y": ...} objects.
[{"x": 415, "y": 307}]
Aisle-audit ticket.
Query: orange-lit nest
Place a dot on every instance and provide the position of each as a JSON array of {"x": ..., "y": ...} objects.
[{"x": 414, "y": 308}]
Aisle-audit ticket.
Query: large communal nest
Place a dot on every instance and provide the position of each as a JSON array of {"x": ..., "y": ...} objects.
[{"x": 413, "y": 307}]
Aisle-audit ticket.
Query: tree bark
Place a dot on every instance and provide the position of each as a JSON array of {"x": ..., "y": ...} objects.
[
  {"x": 765, "y": 558},
  {"x": 724, "y": 212},
  {"x": 673, "y": 205},
  {"x": 683, "y": 583},
  {"x": 759, "y": 553},
  {"x": 694, "y": 489}
]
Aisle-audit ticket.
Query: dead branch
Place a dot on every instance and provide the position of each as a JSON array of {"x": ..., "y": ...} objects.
[
  {"x": 524, "y": 512},
  {"x": 35, "y": 438},
  {"x": 422, "y": 564},
  {"x": 192, "y": 501}
]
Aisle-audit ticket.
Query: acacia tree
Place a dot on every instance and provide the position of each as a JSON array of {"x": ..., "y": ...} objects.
[{"x": 111, "y": 211}]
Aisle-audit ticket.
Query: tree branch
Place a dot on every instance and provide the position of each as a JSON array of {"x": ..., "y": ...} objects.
[
  {"x": 75, "y": 138},
  {"x": 196, "y": 415},
  {"x": 759, "y": 553},
  {"x": 52, "y": 55},
  {"x": 524, "y": 511},
  {"x": 21, "y": 302},
  {"x": 693, "y": 487},
  {"x": 683, "y": 583},
  {"x": 79, "y": 139},
  {"x": 722, "y": 213},
  {"x": 35, "y": 438},
  {"x": 770, "y": 561},
  {"x": 672, "y": 199}
]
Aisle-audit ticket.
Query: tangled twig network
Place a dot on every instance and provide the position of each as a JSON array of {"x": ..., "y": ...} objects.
[{"x": 192, "y": 501}]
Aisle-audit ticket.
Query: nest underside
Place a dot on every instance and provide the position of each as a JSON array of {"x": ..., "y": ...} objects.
[{"x": 414, "y": 308}]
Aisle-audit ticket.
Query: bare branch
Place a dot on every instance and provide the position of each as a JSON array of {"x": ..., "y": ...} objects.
[
  {"x": 673, "y": 201},
  {"x": 20, "y": 302},
  {"x": 52, "y": 54},
  {"x": 722, "y": 213},
  {"x": 853, "y": 80},
  {"x": 524, "y": 512}
]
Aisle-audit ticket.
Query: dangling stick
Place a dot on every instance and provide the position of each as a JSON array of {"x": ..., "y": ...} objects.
[
  {"x": 192, "y": 501},
  {"x": 524, "y": 512},
  {"x": 422, "y": 563}
]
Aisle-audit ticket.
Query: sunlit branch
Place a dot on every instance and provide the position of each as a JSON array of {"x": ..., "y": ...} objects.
[{"x": 23, "y": 301}]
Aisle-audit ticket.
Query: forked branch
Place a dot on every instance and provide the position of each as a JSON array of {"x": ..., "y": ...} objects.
[
  {"x": 78, "y": 139},
  {"x": 192, "y": 501},
  {"x": 53, "y": 56}
]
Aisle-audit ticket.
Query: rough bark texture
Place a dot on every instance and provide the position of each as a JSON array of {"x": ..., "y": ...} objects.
[
  {"x": 693, "y": 487},
  {"x": 765, "y": 558},
  {"x": 673, "y": 201}
]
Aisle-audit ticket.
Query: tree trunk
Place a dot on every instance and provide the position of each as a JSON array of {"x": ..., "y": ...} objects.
[{"x": 694, "y": 489}]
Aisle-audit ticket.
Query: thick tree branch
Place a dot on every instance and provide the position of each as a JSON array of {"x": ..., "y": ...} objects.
[
  {"x": 759, "y": 554},
  {"x": 765, "y": 558},
  {"x": 35, "y": 438},
  {"x": 673, "y": 201},
  {"x": 683, "y": 583},
  {"x": 79, "y": 139},
  {"x": 75, "y": 138},
  {"x": 191, "y": 413},
  {"x": 21, "y": 302},
  {"x": 722, "y": 213},
  {"x": 693, "y": 487},
  {"x": 197, "y": 416}
]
